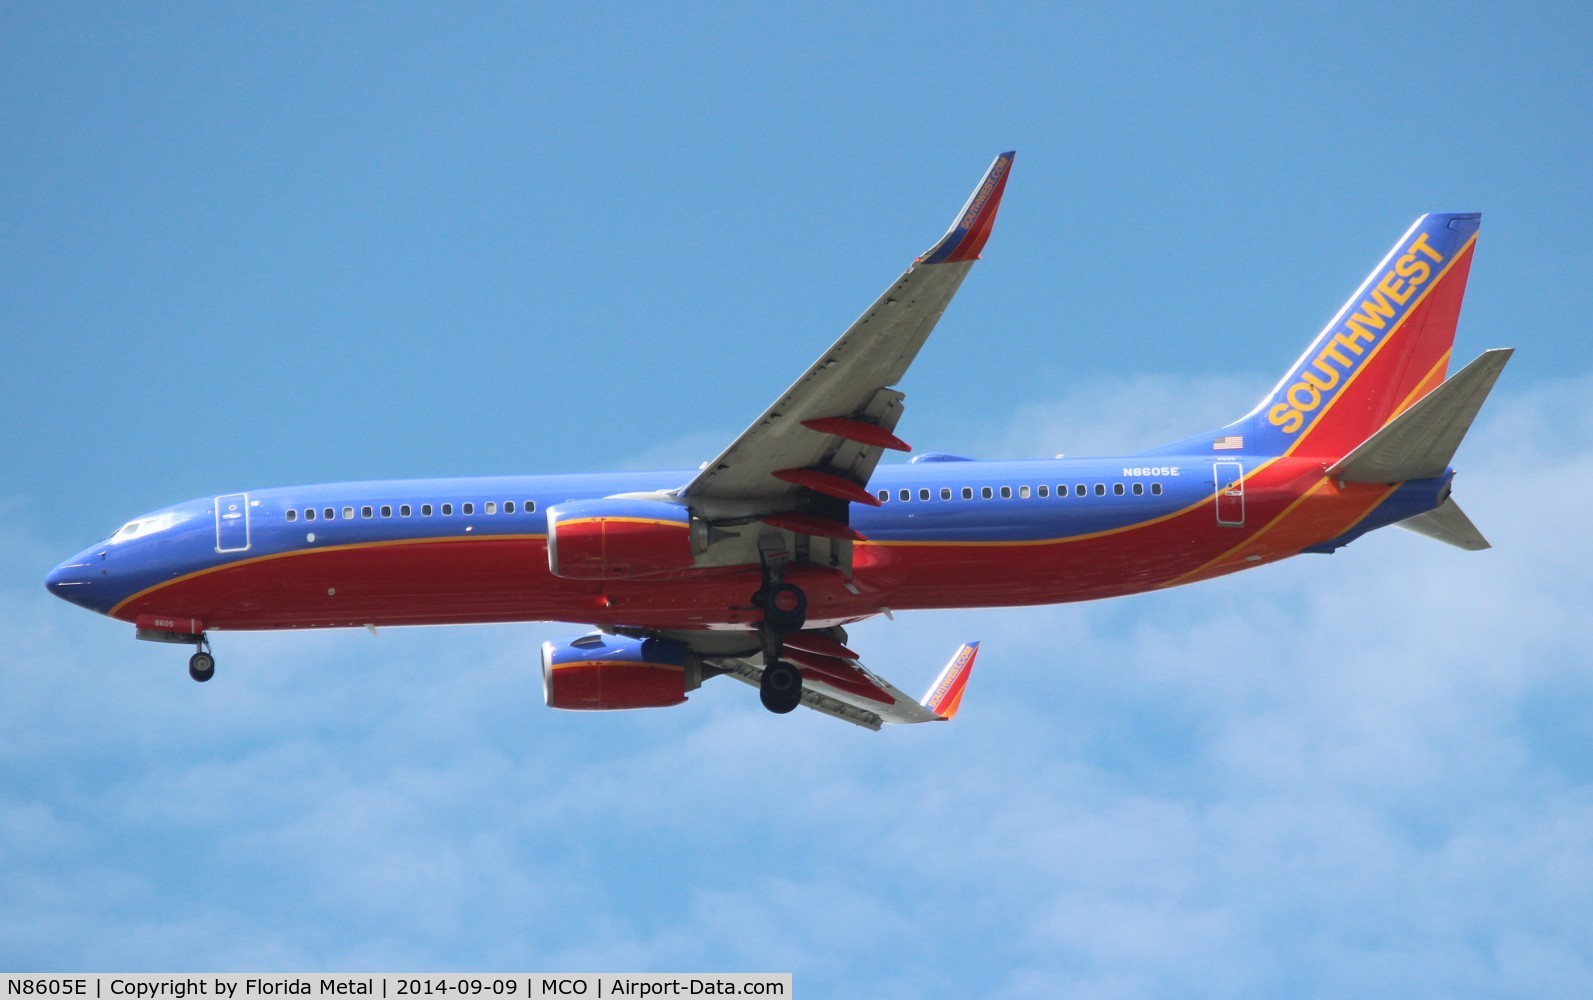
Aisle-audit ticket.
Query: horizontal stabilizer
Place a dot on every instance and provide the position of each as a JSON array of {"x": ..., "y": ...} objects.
[
  {"x": 1448, "y": 524},
  {"x": 1419, "y": 443}
]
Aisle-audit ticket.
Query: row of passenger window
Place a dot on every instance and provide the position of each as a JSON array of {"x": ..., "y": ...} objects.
[
  {"x": 1024, "y": 492},
  {"x": 406, "y": 510}
]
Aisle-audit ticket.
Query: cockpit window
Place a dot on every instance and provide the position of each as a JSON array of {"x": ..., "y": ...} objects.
[{"x": 143, "y": 526}]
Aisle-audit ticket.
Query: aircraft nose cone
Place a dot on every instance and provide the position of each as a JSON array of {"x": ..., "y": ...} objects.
[{"x": 72, "y": 580}]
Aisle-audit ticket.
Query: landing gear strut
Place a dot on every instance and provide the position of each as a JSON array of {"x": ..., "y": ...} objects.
[
  {"x": 201, "y": 665},
  {"x": 785, "y": 610}
]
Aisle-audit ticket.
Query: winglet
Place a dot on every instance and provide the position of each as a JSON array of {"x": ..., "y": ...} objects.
[
  {"x": 968, "y": 234},
  {"x": 945, "y": 697}
]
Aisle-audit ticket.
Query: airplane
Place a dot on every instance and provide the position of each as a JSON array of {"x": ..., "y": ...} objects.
[{"x": 753, "y": 565}]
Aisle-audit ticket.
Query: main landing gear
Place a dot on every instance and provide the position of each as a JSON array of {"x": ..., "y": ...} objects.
[
  {"x": 780, "y": 690},
  {"x": 785, "y": 607},
  {"x": 785, "y": 610}
]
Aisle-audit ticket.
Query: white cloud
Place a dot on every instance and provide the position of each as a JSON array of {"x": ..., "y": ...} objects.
[{"x": 1364, "y": 774}]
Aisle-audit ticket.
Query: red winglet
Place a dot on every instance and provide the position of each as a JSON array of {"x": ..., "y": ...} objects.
[
  {"x": 968, "y": 234},
  {"x": 807, "y": 524},
  {"x": 829, "y": 484},
  {"x": 945, "y": 697},
  {"x": 857, "y": 430}
]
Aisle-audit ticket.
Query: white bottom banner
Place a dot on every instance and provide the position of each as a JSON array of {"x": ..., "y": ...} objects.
[{"x": 433, "y": 985}]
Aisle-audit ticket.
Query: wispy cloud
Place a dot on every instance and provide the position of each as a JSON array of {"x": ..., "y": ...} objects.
[{"x": 1359, "y": 774}]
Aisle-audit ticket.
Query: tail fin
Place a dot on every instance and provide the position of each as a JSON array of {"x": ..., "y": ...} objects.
[{"x": 1386, "y": 348}]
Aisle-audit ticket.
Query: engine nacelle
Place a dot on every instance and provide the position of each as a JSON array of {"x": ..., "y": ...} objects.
[
  {"x": 616, "y": 539},
  {"x": 602, "y": 672}
]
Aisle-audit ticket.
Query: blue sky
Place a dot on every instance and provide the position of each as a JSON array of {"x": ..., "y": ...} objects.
[{"x": 242, "y": 248}]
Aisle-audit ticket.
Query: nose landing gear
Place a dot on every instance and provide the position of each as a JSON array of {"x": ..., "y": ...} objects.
[
  {"x": 183, "y": 632},
  {"x": 202, "y": 665}
]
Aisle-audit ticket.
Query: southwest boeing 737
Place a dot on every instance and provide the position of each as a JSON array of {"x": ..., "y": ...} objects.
[{"x": 751, "y": 566}]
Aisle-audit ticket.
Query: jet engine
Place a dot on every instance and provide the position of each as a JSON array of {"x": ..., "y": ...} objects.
[
  {"x": 601, "y": 672},
  {"x": 617, "y": 539}
]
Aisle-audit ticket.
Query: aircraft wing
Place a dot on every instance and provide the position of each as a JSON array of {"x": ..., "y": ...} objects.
[
  {"x": 812, "y": 451},
  {"x": 836, "y": 684}
]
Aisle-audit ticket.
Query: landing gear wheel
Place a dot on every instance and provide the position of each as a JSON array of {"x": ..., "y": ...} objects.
[
  {"x": 201, "y": 666},
  {"x": 781, "y": 688},
  {"x": 785, "y": 607}
]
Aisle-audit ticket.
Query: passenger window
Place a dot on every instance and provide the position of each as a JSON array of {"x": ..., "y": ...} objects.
[
  {"x": 1079, "y": 490},
  {"x": 884, "y": 496},
  {"x": 923, "y": 494},
  {"x": 467, "y": 508},
  {"x": 967, "y": 492},
  {"x": 291, "y": 514},
  {"x": 366, "y": 512},
  {"x": 508, "y": 506},
  {"x": 1044, "y": 491},
  {"x": 448, "y": 510},
  {"x": 387, "y": 510},
  {"x": 348, "y": 513},
  {"x": 329, "y": 514},
  {"x": 906, "y": 494},
  {"x": 1156, "y": 489},
  {"x": 986, "y": 492},
  {"x": 1006, "y": 493},
  {"x": 530, "y": 506},
  {"x": 425, "y": 510},
  {"x": 1117, "y": 489},
  {"x": 404, "y": 510},
  {"x": 1100, "y": 489},
  {"x": 1023, "y": 493},
  {"x": 945, "y": 493},
  {"x": 309, "y": 514},
  {"x": 1139, "y": 489},
  {"x": 492, "y": 507}
]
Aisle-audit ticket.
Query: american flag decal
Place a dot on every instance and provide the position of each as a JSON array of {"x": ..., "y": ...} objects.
[{"x": 1232, "y": 442}]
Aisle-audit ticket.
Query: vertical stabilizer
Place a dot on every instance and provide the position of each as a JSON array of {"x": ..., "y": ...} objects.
[{"x": 1387, "y": 347}]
